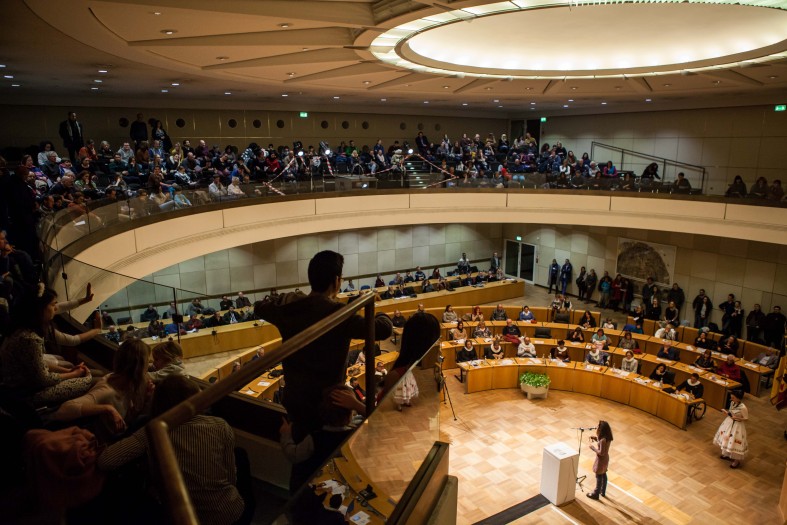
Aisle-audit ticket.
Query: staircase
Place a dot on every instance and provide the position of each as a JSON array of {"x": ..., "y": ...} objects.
[{"x": 418, "y": 175}]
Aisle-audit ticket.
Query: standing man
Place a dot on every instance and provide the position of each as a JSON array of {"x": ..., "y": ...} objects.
[
  {"x": 677, "y": 296},
  {"x": 755, "y": 322},
  {"x": 494, "y": 263},
  {"x": 73, "y": 135},
  {"x": 565, "y": 276},
  {"x": 774, "y": 327},
  {"x": 139, "y": 130},
  {"x": 554, "y": 273},
  {"x": 727, "y": 307},
  {"x": 696, "y": 304},
  {"x": 320, "y": 364}
]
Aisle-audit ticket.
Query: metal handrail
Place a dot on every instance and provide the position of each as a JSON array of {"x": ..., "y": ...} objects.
[
  {"x": 175, "y": 492},
  {"x": 663, "y": 160}
]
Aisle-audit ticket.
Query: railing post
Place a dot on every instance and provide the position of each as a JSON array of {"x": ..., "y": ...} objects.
[
  {"x": 170, "y": 478},
  {"x": 371, "y": 387}
]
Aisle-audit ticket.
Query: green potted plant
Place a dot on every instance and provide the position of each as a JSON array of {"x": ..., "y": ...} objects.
[{"x": 534, "y": 384}]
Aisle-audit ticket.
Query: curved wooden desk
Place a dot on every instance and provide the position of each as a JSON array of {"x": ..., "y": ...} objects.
[{"x": 622, "y": 387}]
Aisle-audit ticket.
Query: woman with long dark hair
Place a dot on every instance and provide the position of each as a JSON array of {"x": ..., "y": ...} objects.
[
  {"x": 600, "y": 444},
  {"x": 22, "y": 355}
]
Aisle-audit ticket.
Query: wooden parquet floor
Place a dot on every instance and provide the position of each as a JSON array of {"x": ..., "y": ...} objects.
[{"x": 658, "y": 473}]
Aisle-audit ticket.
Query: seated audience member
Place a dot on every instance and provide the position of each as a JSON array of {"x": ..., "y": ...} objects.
[
  {"x": 667, "y": 351},
  {"x": 118, "y": 397},
  {"x": 729, "y": 345},
  {"x": 526, "y": 348},
  {"x": 495, "y": 350},
  {"x": 775, "y": 191},
  {"x": 389, "y": 293},
  {"x": 466, "y": 353},
  {"x": 672, "y": 313},
  {"x": 597, "y": 356},
  {"x": 427, "y": 287},
  {"x": 150, "y": 314},
  {"x": 499, "y": 313},
  {"x": 608, "y": 324},
  {"x": 194, "y": 324},
  {"x": 660, "y": 374},
  {"x": 730, "y": 369},
  {"x": 194, "y": 308},
  {"x": 526, "y": 314},
  {"x": 379, "y": 282},
  {"x": 225, "y": 303},
  {"x": 587, "y": 320},
  {"x": 476, "y": 314},
  {"x": 232, "y": 317},
  {"x": 769, "y": 358},
  {"x": 601, "y": 337},
  {"x": 216, "y": 189},
  {"x": 349, "y": 288},
  {"x": 511, "y": 332},
  {"x": 481, "y": 330},
  {"x": 459, "y": 332},
  {"x": 577, "y": 335},
  {"x": 419, "y": 274},
  {"x": 681, "y": 183},
  {"x": 629, "y": 363},
  {"x": 759, "y": 189},
  {"x": 449, "y": 316},
  {"x": 398, "y": 319},
  {"x": 213, "y": 321},
  {"x": 22, "y": 363},
  {"x": 155, "y": 329},
  {"x": 112, "y": 334},
  {"x": 560, "y": 352},
  {"x": 204, "y": 447},
  {"x": 693, "y": 386},
  {"x": 167, "y": 361},
  {"x": 668, "y": 332},
  {"x": 737, "y": 188},
  {"x": 703, "y": 342},
  {"x": 705, "y": 361},
  {"x": 629, "y": 343},
  {"x": 359, "y": 392}
]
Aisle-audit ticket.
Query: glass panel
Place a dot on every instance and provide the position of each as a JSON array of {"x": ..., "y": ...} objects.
[
  {"x": 527, "y": 262},
  {"x": 511, "y": 262}
]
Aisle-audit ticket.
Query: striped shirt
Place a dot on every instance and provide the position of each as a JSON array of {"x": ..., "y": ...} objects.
[{"x": 204, "y": 447}]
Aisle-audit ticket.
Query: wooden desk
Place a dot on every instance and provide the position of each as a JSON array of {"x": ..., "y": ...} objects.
[
  {"x": 489, "y": 293},
  {"x": 228, "y": 337},
  {"x": 587, "y": 379}
]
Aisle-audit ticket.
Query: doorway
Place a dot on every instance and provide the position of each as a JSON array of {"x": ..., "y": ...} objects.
[{"x": 519, "y": 260}]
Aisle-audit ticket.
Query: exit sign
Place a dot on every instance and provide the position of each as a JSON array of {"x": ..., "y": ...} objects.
[
  {"x": 303, "y": 114},
  {"x": 780, "y": 107},
  {"x": 519, "y": 237},
  {"x": 543, "y": 119}
]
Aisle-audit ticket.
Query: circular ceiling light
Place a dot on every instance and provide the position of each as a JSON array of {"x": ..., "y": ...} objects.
[
  {"x": 169, "y": 31},
  {"x": 755, "y": 34}
]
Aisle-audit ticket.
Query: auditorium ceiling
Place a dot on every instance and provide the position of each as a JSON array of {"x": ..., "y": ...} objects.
[{"x": 514, "y": 58}]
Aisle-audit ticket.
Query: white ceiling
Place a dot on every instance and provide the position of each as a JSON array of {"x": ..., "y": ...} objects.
[{"x": 54, "y": 50}]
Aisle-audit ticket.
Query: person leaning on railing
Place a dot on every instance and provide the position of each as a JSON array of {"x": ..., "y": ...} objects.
[{"x": 322, "y": 363}]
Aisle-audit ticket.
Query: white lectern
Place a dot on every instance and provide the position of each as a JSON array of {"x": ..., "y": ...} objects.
[{"x": 559, "y": 473}]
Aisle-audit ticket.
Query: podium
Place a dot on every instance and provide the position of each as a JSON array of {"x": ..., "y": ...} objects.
[{"x": 559, "y": 473}]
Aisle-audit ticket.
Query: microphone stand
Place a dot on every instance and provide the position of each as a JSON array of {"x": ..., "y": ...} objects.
[{"x": 583, "y": 477}]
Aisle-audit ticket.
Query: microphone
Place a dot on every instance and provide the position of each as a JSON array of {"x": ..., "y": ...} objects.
[{"x": 585, "y": 428}]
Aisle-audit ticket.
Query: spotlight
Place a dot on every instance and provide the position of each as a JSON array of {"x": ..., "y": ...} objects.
[
  {"x": 410, "y": 151},
  {"x": 300, "y": 153}
]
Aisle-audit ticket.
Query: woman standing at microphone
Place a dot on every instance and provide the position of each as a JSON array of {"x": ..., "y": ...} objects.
[{"x": 600, "y": 445}]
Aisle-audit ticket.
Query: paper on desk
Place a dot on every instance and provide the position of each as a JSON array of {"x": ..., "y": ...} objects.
[
  {"x": 249, "y": 392},
  {"x": 361, "y": 518},
  {"x": 263, "y": 383},
  {"x": 507, "y": 362},
  {"x": 751, "y": 365},
  {"x": 538, "y": 342}
]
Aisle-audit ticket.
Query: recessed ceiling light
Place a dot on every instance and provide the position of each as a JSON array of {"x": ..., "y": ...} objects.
[
  {"x": 2, "y": 66},
  {"x": 336, "y": 98},
  {"x": 667, "y": 85},
  {"x": 284, "y": 95},
  {"x": 8, "y": 76},
  {"x": 528, "y": 89},
  {"x": 717, "y": 82},
  {"x": 648, "y": 100},
  {"x": 603, "y": 103},
  {"x": 495, "y": 100},
  {"x": 500, "y": 106},
  {"x": 488, "y": 88},
  {"x": 772, "y": 77},
  {"x": 446, "y": 87},
  {"x": 165, "y": 90},
  {"x": 14, "y": 85},
  {"x": 304, "y": 49},
  {"x": 228, "y": 92},
  {"x": 103, "y": 71},
  {"x": 94, "y": 89},
  {"x": 407, "y": 85},
  {"x": 571, "y": 100},
  {"x": 367, "y": 82},
  {"x": 532, "y": 103},
  {"x": 574, "y": 87},
  {"x": 169, "y": 31},
  {"x": 157, "y": 13},
  {"x": 291, "y": 74},
  {"x": 565, "y": 105},
  {"x": 426, "y": 102},
  {"x": 285, "y": 25},
  {"x": 222, "y": 58},
  {"x": 383, "y": 99},
  {"x": 617, "y": 87},
  {"x": 464, "y": 103},
  {"x": 98, "y": 81},
  {"x": 175, "y": 84}
]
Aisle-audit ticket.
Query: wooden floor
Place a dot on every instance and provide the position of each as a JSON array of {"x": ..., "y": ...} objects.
[{"x": 658, "y": 473}]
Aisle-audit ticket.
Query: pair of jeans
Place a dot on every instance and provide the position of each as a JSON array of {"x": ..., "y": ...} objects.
[{"x": 601, "y": 484}]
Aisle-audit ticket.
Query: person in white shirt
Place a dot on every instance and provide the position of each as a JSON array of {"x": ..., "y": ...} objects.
[
  {"x": 216, "y": 189},
  {"x": 667, "y": 332},
  {"x": 234, "y": 189},
  {"x": 629, "y": 363},
  {"x": 526, "y": 348}
]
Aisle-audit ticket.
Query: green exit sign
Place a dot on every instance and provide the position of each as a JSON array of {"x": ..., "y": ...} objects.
[
  {"x": 304, "y": 114},
  {"x": 543, "y": 119},
  {"x": 780, "y": 107},
  {"x": 519, "y": 237}
]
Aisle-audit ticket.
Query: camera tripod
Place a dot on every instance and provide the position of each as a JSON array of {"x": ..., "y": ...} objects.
[{"x": 440, "y": 380}]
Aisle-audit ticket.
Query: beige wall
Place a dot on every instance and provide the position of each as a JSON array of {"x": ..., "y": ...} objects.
[
  {"x": 755, "y": 272},
  {"x": 745, "y": 141},
  {"x": 25, "y": 125},
  {"x": 283, "y": 262}
]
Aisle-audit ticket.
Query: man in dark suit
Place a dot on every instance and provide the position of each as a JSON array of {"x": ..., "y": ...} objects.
[
  {"x": 73, "y": 135},
  {"x": 494, "y": 263}
]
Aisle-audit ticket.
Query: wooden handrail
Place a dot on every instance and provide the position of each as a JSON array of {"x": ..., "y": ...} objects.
[{"x": 175, "y": 492}]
